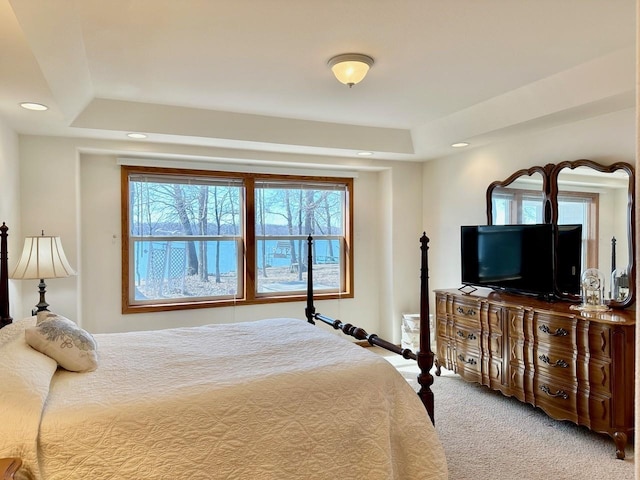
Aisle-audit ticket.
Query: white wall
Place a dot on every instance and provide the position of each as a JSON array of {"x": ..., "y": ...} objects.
[
  {"x": 455, "y": 187},
  {"x": 10, "y": 209},
  {"x": 49, "y": 202},
  {"x": 74, "y": 192},
  {"x": 71, "y": 188}
]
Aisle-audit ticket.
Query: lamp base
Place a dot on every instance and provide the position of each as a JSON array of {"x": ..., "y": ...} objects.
[{"x": 42, "y": 305}]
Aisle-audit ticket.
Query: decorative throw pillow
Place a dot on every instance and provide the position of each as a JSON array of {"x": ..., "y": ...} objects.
[{"x": 61, "y": 339}]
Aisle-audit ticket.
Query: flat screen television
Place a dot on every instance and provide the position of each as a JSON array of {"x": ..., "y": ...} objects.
[{"x": 515, "y": 258}]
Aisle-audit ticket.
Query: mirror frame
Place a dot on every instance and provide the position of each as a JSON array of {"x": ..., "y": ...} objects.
[
  {"x": 631, "y": 235},
  {"x": 550, "y": 173},
  {"x": 546, "y": 191}
]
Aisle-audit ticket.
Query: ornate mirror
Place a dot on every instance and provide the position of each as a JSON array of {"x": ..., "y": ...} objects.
[
  {"x": 600, "y": 198},
  {"x": 521, "y": 198}
]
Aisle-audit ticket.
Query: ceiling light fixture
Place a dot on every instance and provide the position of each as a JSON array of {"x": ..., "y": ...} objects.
[
  {"x": 350, "y": 68},
  {"x": 136, "y": 135},
  {"x": 34, "y": 106},
  {"x": 460, "y": 145},
  {"x": 365, "y": 154}
]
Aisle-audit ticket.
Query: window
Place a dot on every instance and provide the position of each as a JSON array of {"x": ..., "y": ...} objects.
[
  {"x": 513, "y": 206},
  {"x": 517, "y": 206},
  {"x": 582, "y": 208},
  {"x": 198, "y": 238}
]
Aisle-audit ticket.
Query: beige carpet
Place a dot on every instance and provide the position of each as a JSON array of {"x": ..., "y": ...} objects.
[{"x": 487, "y": 436}]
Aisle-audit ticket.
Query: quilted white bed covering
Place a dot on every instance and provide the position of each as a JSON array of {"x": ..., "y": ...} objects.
[{"x": 271, "y": 399}]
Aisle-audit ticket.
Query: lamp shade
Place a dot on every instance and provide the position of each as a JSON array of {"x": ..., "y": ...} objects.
[
  {"x": 350, "y": 68},
  {"x": 42, "y": 257}
]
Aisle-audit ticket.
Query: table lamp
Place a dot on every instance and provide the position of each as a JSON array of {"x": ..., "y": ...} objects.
[{"x": 42, "y": 257}]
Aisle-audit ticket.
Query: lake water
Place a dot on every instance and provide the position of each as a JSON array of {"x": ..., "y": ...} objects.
[{"x": 171, "y": 255}]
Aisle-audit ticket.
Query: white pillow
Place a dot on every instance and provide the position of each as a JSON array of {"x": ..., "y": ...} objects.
[
  {"x": 58, "y": 337},
  {"x": 17, "y": 327}
]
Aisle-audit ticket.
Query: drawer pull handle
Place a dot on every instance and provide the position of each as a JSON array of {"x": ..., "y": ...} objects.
[
  {"x": 558, "y": 363},
  {"x": 470, "y": 336},
  {"x": 559, "y": 394},
  {"x": 470, "y": 361},
  {"x": 560, "y": 332},
  {"x": 469, "y": 313}
]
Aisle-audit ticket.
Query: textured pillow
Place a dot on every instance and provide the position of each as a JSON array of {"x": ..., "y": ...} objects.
[
  {"x": 61, "y": 339},
  {"x": 16, "y": 328}
]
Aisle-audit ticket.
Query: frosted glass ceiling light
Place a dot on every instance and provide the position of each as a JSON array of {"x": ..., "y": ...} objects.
[
  {"x": 350, "y": 68},
  {"x": 34, "y": 106}
]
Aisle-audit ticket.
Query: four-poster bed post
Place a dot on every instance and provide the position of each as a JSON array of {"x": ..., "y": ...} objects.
[
  {"x": 424, "y": 356},
  {"x": 5, "y": 317}
]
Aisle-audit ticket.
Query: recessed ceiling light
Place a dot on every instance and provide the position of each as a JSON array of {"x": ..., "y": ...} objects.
[
  {"x": 460, "y": 145},
  {"x": 34, "y": 106},
  {"x": 365, "y": 154},
  {"x": 136, "y": 135}
]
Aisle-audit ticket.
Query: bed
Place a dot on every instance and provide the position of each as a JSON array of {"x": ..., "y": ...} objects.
[{"x": 269, "y": 399}]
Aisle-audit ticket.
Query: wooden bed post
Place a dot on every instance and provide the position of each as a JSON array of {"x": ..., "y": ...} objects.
[
  {"x": 310, "y": 311},
  {"x": 5, "y": 318},
  {"x": 425, "y": 355}
]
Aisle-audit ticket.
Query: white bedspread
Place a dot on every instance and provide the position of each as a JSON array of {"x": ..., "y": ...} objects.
[{"x": 272, "y": 399}]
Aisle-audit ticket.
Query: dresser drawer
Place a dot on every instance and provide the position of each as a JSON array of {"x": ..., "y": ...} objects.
[
  {"x": 558, "y": 399},
  {"x": 557, "y": 363},
  {"x": 468, "y": 365},
  {"x": 599, "y": 376},
  {"x": 600, "y": 340},
  {"x": 444, "y": 353},
  {"x": 600, "y": 408},
  {"x": 466, "y": 337},
  {"x": 465, "y": 309},
  {"x": 550, "y": 330}
]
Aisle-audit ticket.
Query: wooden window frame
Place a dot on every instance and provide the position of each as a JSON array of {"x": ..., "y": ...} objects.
[{"x": 249, "y": 296}]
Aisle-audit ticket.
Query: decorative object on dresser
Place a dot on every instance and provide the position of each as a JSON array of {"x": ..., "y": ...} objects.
[
  {"x": 42, "y": 257},
  {"x": 592, "y": 282},
  {"x": 576, "y": 366}
]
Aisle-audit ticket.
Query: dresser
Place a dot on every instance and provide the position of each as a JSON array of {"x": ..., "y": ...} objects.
[{"x": 575, "y": 366}]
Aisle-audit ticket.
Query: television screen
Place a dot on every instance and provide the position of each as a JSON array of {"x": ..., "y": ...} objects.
[
  {"x": 517, "y": 258},
  {"x": 569, "y": 259}
]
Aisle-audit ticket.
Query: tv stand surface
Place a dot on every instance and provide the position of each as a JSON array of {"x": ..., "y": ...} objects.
[{"x": 576, "y": 366}]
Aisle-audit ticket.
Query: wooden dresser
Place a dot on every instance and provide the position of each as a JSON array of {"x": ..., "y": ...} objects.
[{"x": 574, "y": 365}]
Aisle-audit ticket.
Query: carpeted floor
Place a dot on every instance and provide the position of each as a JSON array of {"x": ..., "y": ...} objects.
[{"x": 487, "y": 436}]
